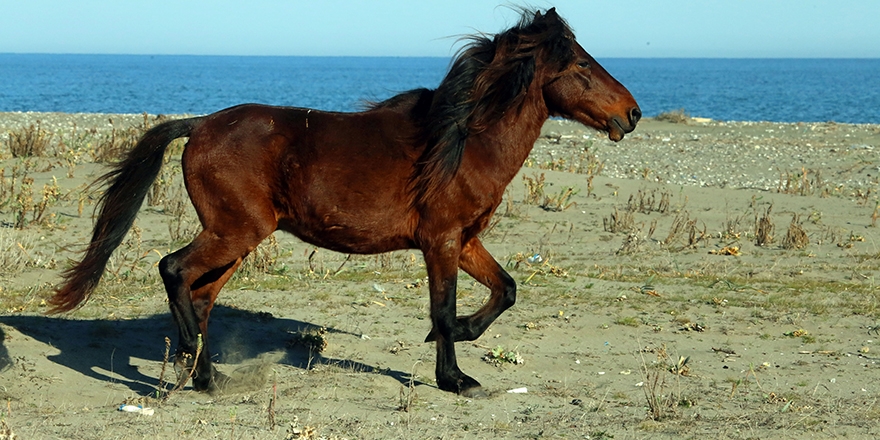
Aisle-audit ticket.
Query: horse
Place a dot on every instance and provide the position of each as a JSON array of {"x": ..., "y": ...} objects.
[{"x": 425, "y": 170}]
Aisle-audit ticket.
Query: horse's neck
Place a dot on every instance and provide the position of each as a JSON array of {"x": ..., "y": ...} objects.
[{"x": 504, "y": 146}]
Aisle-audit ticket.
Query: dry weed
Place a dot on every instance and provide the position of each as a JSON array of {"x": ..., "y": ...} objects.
[
  {"x": 683, "y": 225},
  {"x": 679, "y": 116},
  {"x": 764, "y": 228},
  {"x": 559, "y": 202},
  {"x": 534, "y": 189},
  {"x": 646, "y": 202},
  {"x": 802, "y": 183},
  {"x": 262, "y": 260},
  {"x": 795, "y": 237},
  {"x": 29, "y": 142},
  {"x": 619, "y": 222}
]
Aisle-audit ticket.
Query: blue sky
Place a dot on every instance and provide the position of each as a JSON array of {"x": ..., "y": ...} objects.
[{"x": 632, "y": 28}]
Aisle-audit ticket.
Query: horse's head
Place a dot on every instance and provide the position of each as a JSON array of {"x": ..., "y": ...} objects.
[{"x": 576, "y": 87}]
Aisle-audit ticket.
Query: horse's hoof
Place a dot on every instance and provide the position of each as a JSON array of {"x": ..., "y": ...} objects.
[
  {"x": 218, "y": 383},
  {"x": 476, "y": 392}
]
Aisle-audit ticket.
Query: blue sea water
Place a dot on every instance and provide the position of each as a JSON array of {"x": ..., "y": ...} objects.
[{"x": 782, "y": 90}]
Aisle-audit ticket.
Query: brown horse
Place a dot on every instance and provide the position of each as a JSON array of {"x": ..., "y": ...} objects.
[{"x": 423, "y": 170}]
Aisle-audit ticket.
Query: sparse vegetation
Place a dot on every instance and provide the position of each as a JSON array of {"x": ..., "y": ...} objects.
[{"x": 665, "y": 261}]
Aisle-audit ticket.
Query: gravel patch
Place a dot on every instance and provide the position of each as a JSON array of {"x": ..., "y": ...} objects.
[{"x": 701, "y": 152}]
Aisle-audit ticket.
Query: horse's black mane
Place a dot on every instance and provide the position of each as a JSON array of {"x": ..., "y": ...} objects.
[{"x": 488, "y": 77}]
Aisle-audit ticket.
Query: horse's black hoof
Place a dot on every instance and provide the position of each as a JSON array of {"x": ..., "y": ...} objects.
[
  {"x": 462, "y": 385},
  {"x": 476, "y": 392},
  {"x": 217, "y": 384}
]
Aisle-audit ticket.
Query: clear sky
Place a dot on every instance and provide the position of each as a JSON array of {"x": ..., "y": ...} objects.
[{"x": 606, "y": 28}]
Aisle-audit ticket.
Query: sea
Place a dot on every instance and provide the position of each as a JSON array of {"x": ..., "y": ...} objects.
[{"x": 779, "y": 90}]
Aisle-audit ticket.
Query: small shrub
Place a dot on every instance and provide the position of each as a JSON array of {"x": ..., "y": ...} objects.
[{"x": 499, "y": 356}]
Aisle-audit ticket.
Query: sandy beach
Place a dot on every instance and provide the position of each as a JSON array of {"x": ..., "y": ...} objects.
[{"x": 699, "y": 279}]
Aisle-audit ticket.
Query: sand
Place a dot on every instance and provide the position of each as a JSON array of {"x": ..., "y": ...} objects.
[{"x": 651, "y": 312}]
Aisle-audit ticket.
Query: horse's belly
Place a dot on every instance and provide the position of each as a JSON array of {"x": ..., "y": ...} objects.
[{"x": 365, "y": 236}]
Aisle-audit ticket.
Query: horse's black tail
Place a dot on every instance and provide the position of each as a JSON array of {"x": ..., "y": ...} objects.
[{"x": 128, "y": 182}]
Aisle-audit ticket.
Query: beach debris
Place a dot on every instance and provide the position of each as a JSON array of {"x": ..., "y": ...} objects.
[
  {"x": 140, "y": 409},
  {"x": 396, "y": 348},
  {"x": 6, "y": 432},
  {"x": 415, "y": 285},
  {"x": 727, "y": 250},
  {"x": 680, "y": 368},
  {"x": 693, "y": 327},
  {"x": 726, "y": 351},
  {"x": 645, "y": 289},
  {"x": 796, "y": 333},
  {"x": 521, "y": 390}
]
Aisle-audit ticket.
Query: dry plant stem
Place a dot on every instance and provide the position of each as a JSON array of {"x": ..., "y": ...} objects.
[
  {"x": 408, "y": 395},
  {"x": 795, "y": 237},
  {"x": 764, "y": 228},
  {"x": 271, "y": 409},
  {"x": 189, "y": 374},
  {"x": 162, "y": 382},
  {"x": 650, "y": 387}
]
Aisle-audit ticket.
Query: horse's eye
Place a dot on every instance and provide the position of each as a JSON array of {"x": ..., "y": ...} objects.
[{"x": 584, "y": 64}]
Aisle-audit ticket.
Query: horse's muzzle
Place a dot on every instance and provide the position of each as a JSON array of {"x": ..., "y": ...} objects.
[{"x": 617, "y": 127}]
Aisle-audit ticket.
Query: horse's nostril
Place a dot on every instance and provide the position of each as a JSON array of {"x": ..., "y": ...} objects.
[{"x": 634, "y": 115}]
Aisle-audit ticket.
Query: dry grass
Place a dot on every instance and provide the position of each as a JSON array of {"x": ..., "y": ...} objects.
[
  {"x": 803, "y": 183},
  {"x": 646, "y": 202},
  {"x": 31, "y": 141},
  {"x": 619, "y": 222},
  {"x": 534, "y": 189},
  {"x": 15, "y": 251},
  {"x": 684, "y": 232},
  {"x": 795, "y": 237},
  {"x": 764, "y": 228},
  {"x": 679, "y": 116}
]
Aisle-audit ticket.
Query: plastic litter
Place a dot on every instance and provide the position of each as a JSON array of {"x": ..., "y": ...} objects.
[
  {"x": 136, "y": 409},
  {"x": 522, "y": 390}
]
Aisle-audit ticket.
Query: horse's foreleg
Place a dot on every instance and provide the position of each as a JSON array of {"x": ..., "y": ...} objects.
[
  {"x": 478, "y": 263},
  {"x": 442, "y": 265}
]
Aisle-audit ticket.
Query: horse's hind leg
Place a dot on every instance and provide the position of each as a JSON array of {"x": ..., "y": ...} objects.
[
  {"x": 193, "y": 277},
  {"x": 478, "y": 263}
]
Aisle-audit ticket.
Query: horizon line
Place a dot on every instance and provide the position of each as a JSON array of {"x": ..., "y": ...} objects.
[{"x": 439, "y": 56}]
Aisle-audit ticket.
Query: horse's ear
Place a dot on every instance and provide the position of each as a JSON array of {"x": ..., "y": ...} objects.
[
  {"x": 538, "y": 15},
  {"x": 552, "y": 14}
]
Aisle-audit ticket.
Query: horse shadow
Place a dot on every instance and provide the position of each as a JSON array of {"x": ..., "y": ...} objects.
[{"x": 105, "y": 349}]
